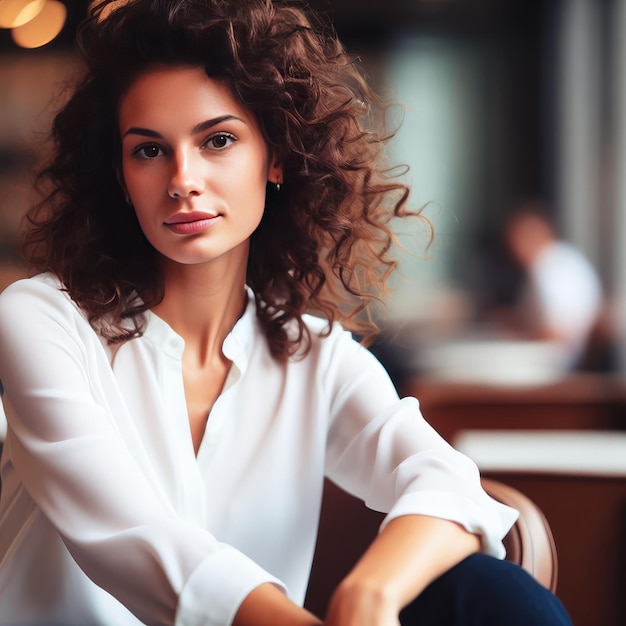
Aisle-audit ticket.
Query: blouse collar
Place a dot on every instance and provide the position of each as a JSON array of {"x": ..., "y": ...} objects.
[{"x": 236, "y": 347}]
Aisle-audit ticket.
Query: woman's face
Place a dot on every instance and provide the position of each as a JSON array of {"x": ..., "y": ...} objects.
[{"x": 194, "y": 165}]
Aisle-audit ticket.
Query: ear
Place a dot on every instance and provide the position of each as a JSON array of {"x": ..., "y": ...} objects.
[{"x": 275, "y": 171}]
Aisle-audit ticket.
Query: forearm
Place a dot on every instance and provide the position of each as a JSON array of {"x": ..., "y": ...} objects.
[
  {"x": 269, "y": 606},
  {"x": 406, "y": 557}
]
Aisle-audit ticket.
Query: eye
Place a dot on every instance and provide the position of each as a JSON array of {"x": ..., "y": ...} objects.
[
  {"x": 220, "y": 141},
  {"x": 147, "y": 151}
]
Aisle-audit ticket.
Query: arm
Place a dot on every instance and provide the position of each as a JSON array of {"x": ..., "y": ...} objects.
[
  {"x": 268, "y": 606},
  {"x": 382, "y": 450},
  {"x": 407, "y": 555}
]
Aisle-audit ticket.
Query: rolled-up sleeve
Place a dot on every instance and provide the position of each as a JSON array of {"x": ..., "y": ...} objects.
[
  {"x": 381, "y": 449},
  {"x": 72, "y": 459}
]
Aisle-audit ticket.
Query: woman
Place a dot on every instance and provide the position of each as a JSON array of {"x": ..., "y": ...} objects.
[{"x": 174, "y": 406}]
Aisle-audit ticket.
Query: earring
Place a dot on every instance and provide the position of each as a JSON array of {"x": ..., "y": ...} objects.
[{"x": 278, "y": 185}]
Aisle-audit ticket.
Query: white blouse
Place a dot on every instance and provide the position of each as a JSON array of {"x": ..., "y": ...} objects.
[{"x": 108, "y": 517}]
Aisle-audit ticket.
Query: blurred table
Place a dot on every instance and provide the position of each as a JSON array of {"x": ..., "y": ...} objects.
[{"x": 581, "y": 401}]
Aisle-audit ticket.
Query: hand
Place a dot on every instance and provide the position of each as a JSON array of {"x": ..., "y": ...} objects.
[
  {"x": 405, "y": 557},
  {"x": 360, "y": 604}
]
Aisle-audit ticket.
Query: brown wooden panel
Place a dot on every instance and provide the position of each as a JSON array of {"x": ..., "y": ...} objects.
[
  {"x": 575, "y": 403},
  {"x": 588, "y": 520}
]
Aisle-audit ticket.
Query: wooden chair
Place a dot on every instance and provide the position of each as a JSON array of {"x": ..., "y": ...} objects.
[
  {"x": 347, "y": 527},
  {"x": 530, "y": 542}
]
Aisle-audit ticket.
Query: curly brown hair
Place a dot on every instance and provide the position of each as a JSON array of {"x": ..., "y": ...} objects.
[{"x": 324, "y": 242}]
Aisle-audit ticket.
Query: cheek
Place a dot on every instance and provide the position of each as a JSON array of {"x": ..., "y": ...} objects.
[
  {"x": 145, "y": 205},
  {"x": 144, "y": 225},
  {"x": 134, "y": 182},
  {"x": 129, "y": 180},
  {"x": 255, "y": 200},
  {"x": 247, "y": 185},
  {"x": 140, "y": 177}
]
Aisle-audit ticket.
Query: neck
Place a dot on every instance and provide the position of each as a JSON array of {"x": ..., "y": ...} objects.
[{"x": 202, "y": 303}]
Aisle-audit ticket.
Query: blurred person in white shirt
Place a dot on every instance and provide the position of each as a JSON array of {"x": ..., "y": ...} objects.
[{"x": 562, "y": 298}]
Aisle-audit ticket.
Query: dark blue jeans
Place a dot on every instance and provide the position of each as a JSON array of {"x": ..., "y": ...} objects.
[{"x": 484, "y": 591}]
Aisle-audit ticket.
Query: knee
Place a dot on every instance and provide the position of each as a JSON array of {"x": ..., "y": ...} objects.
[
  {"x": 499, "y": 589},
  {"x": 482, "y": 590},
  {"x": 481, "y": 574}
]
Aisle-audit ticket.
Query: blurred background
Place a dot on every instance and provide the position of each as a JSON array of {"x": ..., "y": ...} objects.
[{"x": 502, "y": 107}]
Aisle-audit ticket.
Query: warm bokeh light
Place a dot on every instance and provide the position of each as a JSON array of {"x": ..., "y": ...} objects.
[
  {"x": 15, "y": 13},
  {"x": 43, "y": 28}
]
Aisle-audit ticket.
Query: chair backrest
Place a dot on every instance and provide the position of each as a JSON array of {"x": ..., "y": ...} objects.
[
  {"x": 530, "y": 542},
  {"x": 347, "y": 527}
]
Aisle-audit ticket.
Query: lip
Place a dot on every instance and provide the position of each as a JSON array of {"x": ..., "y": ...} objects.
[{"x": 190, "y": 223}]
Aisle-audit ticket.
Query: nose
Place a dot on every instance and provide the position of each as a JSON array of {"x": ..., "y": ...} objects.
[{"x": 186, "y": 178}]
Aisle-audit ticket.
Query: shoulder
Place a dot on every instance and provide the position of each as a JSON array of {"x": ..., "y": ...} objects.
[
  {"x": 44, "y": 287},
  {"x": 565, "y": 261},
  {"x": 35, "y": 297},
  {"x": 326, "y": 336},
  {"x": 562, "y": 254},
  {"x": 332, "y": 346},
  {"x": 40, "y": 283}
]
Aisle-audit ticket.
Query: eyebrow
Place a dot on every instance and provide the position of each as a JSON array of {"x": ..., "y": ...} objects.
[{"x": 197, "y": 129}]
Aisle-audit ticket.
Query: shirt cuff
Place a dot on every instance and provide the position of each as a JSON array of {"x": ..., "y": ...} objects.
[
  {"x": 489, "y": 519},
  {"x": 217, "y": 587}
]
